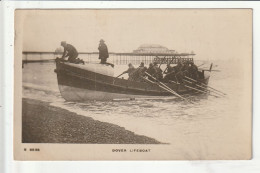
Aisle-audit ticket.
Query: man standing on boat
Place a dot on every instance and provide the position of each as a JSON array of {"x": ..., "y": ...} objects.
[
  {"x": 69, "y": 51},
  {"x": 103, "y": 53}
]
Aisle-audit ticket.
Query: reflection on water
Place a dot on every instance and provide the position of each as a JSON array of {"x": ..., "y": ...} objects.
[{"x": 198, "y": 130}]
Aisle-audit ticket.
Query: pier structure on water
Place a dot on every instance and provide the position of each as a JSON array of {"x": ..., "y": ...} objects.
[{"x": 116, "y": 58}]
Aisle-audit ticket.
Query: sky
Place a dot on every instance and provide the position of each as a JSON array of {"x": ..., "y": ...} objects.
[{"x": 210, "y": 33}]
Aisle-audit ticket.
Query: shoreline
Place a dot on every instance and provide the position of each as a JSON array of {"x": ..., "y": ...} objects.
[{"x": 42, "y": 123}]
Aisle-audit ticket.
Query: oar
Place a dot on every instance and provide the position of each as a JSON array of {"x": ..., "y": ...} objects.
[
  {"x": 168, "y": 89},
  {"x": 210, "y": 70},
  {"x": 201, "y": 91},
  {"x": 205, "y": 85},
  {"x": 118, "y": 77},
  {"x": 196, "y": 85},
  {"x": 162, "y": 61},
  {"x": 196, "y": 89},
  {"x": 167, "y": 67},
  {"x": 205, "y": 88},
  {"x": 165, "y": 70},
  {"x": 158, "y": 85},
  {"x": 201, "y": 65}
]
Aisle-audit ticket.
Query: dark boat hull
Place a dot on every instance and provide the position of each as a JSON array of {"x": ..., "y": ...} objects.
[{"x": 81, "y": 85}]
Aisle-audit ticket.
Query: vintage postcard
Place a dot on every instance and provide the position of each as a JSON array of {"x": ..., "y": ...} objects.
[{"x": 133, "y": 84}]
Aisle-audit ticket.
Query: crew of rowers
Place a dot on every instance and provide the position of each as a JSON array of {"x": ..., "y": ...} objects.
[{"x": 174, "y": 74}]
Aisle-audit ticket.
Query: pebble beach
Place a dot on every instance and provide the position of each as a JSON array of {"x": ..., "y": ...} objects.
[{"x": 43, "y": 123}]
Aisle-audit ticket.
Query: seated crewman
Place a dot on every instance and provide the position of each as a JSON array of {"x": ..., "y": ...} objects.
[
  {"x": 158, "y": 72},
  {"x": 139, "y": 72},
  {"x": 170, "y": 74},
  {"x": 130, "y": 71}
]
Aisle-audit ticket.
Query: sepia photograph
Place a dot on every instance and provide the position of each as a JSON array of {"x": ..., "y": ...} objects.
[{"x": 133, "y": 84}]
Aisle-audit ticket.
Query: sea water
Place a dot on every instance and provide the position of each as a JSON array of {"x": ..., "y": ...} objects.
[{"x": 208, "y": 128}]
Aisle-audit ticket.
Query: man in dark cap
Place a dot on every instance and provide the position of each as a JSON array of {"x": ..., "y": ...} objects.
[
  {"x": 158, "y": 71},
  {"x": 170, "y": 73},
  {"x": 103, "y": 52},
  {"x": 139, "y": 72},
  {"x": 194, "y": 71},
  {"x": 130, "y": 71},
  {"x": 69, "y": 51},
  {"x": 169, "y": 69},
  {"x": 151, "y": 70}
]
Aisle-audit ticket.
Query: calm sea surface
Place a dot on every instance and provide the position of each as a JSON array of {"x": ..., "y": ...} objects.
[{"x": 212, "y": 127}]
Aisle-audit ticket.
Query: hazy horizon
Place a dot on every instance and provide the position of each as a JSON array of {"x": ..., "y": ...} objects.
[{"x": 210, "y": 33}]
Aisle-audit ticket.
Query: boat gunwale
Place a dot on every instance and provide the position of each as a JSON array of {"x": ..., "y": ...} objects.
[{"x": 115, "y": 82}]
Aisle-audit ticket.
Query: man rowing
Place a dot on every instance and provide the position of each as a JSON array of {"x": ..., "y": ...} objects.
[
  {"x": 158, "y": 72},
  {"x": 194, "y": 71},
  {"x": 139, "y": 72},
  {"x": 151, "y": 70},
  {"x": 130, "y": 71},
  {"x": 169, "y": 69},
  {"x": 170, "y": 73}
]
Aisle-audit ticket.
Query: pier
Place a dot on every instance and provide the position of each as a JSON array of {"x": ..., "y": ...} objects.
[{"x": 115, "y": 58}]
